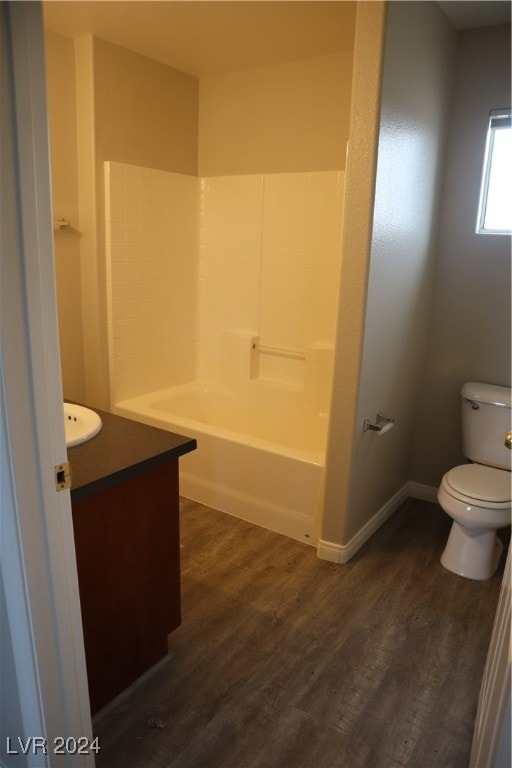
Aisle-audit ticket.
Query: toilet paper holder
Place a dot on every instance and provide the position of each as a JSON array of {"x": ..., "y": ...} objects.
[{"x": 382, "y": 423}]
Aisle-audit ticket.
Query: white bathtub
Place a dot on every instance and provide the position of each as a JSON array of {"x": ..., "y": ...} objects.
[{"x": 260, "y": 455}]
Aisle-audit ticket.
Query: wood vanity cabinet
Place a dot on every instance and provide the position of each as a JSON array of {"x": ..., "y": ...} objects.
[
  {"x": 128, "y": 560},
  {"x": 125, "y": 507}
]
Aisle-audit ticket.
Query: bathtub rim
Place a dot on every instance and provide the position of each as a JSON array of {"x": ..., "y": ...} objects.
[{"x": 140, "y": 406}]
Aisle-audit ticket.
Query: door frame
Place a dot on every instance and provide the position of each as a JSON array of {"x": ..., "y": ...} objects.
[{"x": 38, "y": 564}]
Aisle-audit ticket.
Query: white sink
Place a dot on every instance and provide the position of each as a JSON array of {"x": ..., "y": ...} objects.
[{"x": 81, "y": 424}]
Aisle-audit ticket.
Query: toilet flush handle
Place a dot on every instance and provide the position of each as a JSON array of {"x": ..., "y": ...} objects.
[{"x": 508, "y": 440}]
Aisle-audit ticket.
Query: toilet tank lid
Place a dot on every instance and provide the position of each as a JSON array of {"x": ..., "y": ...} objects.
[{"x": 487, "y": 393}]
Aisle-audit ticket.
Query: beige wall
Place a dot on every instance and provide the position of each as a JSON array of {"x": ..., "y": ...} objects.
[
  {"x": 270, "y": 260},
  {"x": 60, "y": 64},
  {"x": 130, "y": 109},
  {"x": 199, "y": 268},
  {"x": 357, "y": 232},
  {"x": 146, "y": 112},
  {"x": 152, "y": 258},
  {"x": 469, "y": 335},
  {"x": 286, "y": 117},
  {"x": 414, "y": 111},
  {"x": 383, "y": 308}
]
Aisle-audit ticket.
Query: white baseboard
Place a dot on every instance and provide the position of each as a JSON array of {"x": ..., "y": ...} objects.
[
  {"x": 278, "y": 517},
  {"x": 422, "y": 492},
  {"x": 342, "y": 553}
]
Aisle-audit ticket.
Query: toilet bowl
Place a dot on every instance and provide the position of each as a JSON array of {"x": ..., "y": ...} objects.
[{"x": 478, "y": 499}]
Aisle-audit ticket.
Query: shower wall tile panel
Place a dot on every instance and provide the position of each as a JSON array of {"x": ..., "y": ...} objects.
[
  {"x": 230, "y": 257},
  {"x": 190, "y": 259},
  {"x": 270, "y": 260},
  {"x": 152, "y": 225}
]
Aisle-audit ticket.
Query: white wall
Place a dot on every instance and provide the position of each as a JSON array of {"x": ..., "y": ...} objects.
[
  {"x": 286, "y": 117},
  {"x": 61, "y": 95},
  {"x": 152, "y": 277},
  {"x": 418, "y": 65},
  {"x": 198, "y": 268},
  {"x": 270, "y": 261},
  {"x": 93, "y": 86},
  {"x": 418, "y": 61},
  {"x": 469, "y": 333},
  {"x": 276, "y": 119},
  {"x": 357, "y": 231}
]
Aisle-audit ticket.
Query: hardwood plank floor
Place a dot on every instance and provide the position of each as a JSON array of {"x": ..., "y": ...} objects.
[{"x": 287, "y": 661}]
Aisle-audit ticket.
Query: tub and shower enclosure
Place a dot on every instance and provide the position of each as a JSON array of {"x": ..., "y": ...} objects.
[{"x": 222, "y": 297}]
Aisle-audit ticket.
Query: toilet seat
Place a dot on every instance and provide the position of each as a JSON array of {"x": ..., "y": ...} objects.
[{"x": 479, "y": 485}]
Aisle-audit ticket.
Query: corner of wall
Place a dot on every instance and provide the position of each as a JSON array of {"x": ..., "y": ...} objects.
[
  {"x": 92, "y": 266},
  {"x": 357, "y": 234}
]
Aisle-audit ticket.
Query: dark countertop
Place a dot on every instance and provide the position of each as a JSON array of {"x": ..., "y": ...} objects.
[{"x": 121, "y": 449}]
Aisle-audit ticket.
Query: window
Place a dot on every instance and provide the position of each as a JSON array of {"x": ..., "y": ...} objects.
[{"x": 495, "y": 208}]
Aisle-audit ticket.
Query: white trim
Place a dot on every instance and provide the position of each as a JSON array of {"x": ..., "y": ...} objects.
[
  {"x": 342, "y": 553},
  {"x": 32, "y": 393},
  {"x": 266, "y": 513},
  {"x": 492, "y": 726},
  {"x": 329, "y": 550},
  {"x": 422, "y": 492},
  {"x": 26, "y": 714}
]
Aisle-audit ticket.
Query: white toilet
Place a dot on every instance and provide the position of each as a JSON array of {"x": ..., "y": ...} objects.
[{"x": 477, "y": 495}]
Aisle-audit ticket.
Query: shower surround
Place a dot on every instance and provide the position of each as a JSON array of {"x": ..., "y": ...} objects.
[{"x": 227, "y": 284}]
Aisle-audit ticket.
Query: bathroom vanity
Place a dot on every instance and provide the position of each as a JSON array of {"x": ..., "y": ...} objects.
[{"x": 125, "y": 503}]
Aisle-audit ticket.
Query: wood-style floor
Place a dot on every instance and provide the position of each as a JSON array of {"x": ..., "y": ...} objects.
[{"x": 287, "y": 661}]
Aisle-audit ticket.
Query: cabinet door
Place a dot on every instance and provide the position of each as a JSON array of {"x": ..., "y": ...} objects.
[{"x": 127, "y": 549}]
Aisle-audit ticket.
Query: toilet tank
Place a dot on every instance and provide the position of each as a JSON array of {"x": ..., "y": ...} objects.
[{"x": 486, "y": 414}]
